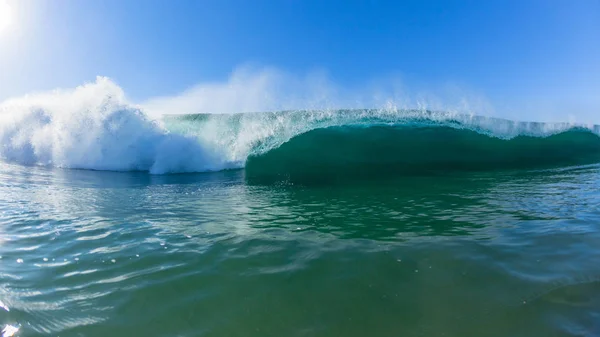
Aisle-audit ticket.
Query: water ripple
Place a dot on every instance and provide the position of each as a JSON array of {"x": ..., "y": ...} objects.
[{"x": 198, "y": 255}]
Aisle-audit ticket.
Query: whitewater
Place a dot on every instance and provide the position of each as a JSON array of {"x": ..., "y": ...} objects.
[{"x": 94, "y": 127}]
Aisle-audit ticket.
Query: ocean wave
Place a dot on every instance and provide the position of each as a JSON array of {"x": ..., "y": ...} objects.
[
  {"x": 326, "y": 144},
  {"x": 94, "y": 127}
]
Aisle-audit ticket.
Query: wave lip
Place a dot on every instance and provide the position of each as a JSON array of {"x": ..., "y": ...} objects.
[{"x": 251, "y": 134}]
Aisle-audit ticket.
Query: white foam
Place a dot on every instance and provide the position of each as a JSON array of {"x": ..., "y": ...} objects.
[{"x": 93, "y": 127}]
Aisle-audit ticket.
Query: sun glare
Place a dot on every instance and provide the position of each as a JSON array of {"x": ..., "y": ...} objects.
[{"x": 6, "y": 16}]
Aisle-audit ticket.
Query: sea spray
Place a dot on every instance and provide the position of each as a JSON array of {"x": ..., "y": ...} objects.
[{"x": 92, "y": 127}]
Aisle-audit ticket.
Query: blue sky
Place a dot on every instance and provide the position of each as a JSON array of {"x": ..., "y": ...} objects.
[{"x": 543, "y": 53}]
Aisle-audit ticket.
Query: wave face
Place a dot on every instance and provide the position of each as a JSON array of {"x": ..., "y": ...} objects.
[
  {"x": 93, "y": 127},
  {"x": 380, "y": 151}
]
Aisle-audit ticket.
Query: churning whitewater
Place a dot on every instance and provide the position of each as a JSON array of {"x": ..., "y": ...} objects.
[{"x": 94, "y": 127}]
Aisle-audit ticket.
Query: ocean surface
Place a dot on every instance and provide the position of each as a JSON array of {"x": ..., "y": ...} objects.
[{"x": 300, "y": 223}]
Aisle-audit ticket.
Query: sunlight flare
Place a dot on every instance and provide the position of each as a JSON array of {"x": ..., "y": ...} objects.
[{"x": 6, "y": 16}]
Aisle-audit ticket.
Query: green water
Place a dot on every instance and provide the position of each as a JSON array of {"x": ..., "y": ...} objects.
[{"x": 493, "y": 253}]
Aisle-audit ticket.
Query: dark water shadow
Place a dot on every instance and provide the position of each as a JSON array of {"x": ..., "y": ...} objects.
[{"x": 337, "y": 155}]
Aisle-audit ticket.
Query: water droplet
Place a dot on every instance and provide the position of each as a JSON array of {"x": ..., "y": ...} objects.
[
  {"x": 137, "y": 255},
  {"x": 416, "y": 270},
  {"x": 113, "y": 260},
  {"x": 76, "y": 259},
  {"x": 162, "y": 243},
  {"x": 399, "y": 260},
  {"x": 45, "y": 259},
  {"x": 19, "y": 260},
  {"x": 9, "y": 330}
]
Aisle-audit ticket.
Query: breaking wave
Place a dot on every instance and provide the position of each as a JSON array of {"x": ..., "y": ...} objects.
[{"x": 93, "y": 127}]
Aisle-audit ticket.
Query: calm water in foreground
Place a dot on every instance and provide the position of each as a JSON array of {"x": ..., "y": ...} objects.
[{"x": 510, "y": 253}]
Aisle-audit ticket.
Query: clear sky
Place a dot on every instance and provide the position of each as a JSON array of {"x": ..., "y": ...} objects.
[{"x": 543, "y": 53}]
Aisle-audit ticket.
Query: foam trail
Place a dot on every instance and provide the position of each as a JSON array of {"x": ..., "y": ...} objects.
[{"x": 93, "y": 127}]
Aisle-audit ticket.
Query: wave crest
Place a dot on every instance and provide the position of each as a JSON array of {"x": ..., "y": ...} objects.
[{"x": 94, "y": 127}]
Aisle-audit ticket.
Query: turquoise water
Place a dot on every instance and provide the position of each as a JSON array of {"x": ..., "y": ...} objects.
[
  {"x": 502, "y": 253},
  {"x": 309, "y": 223}
]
